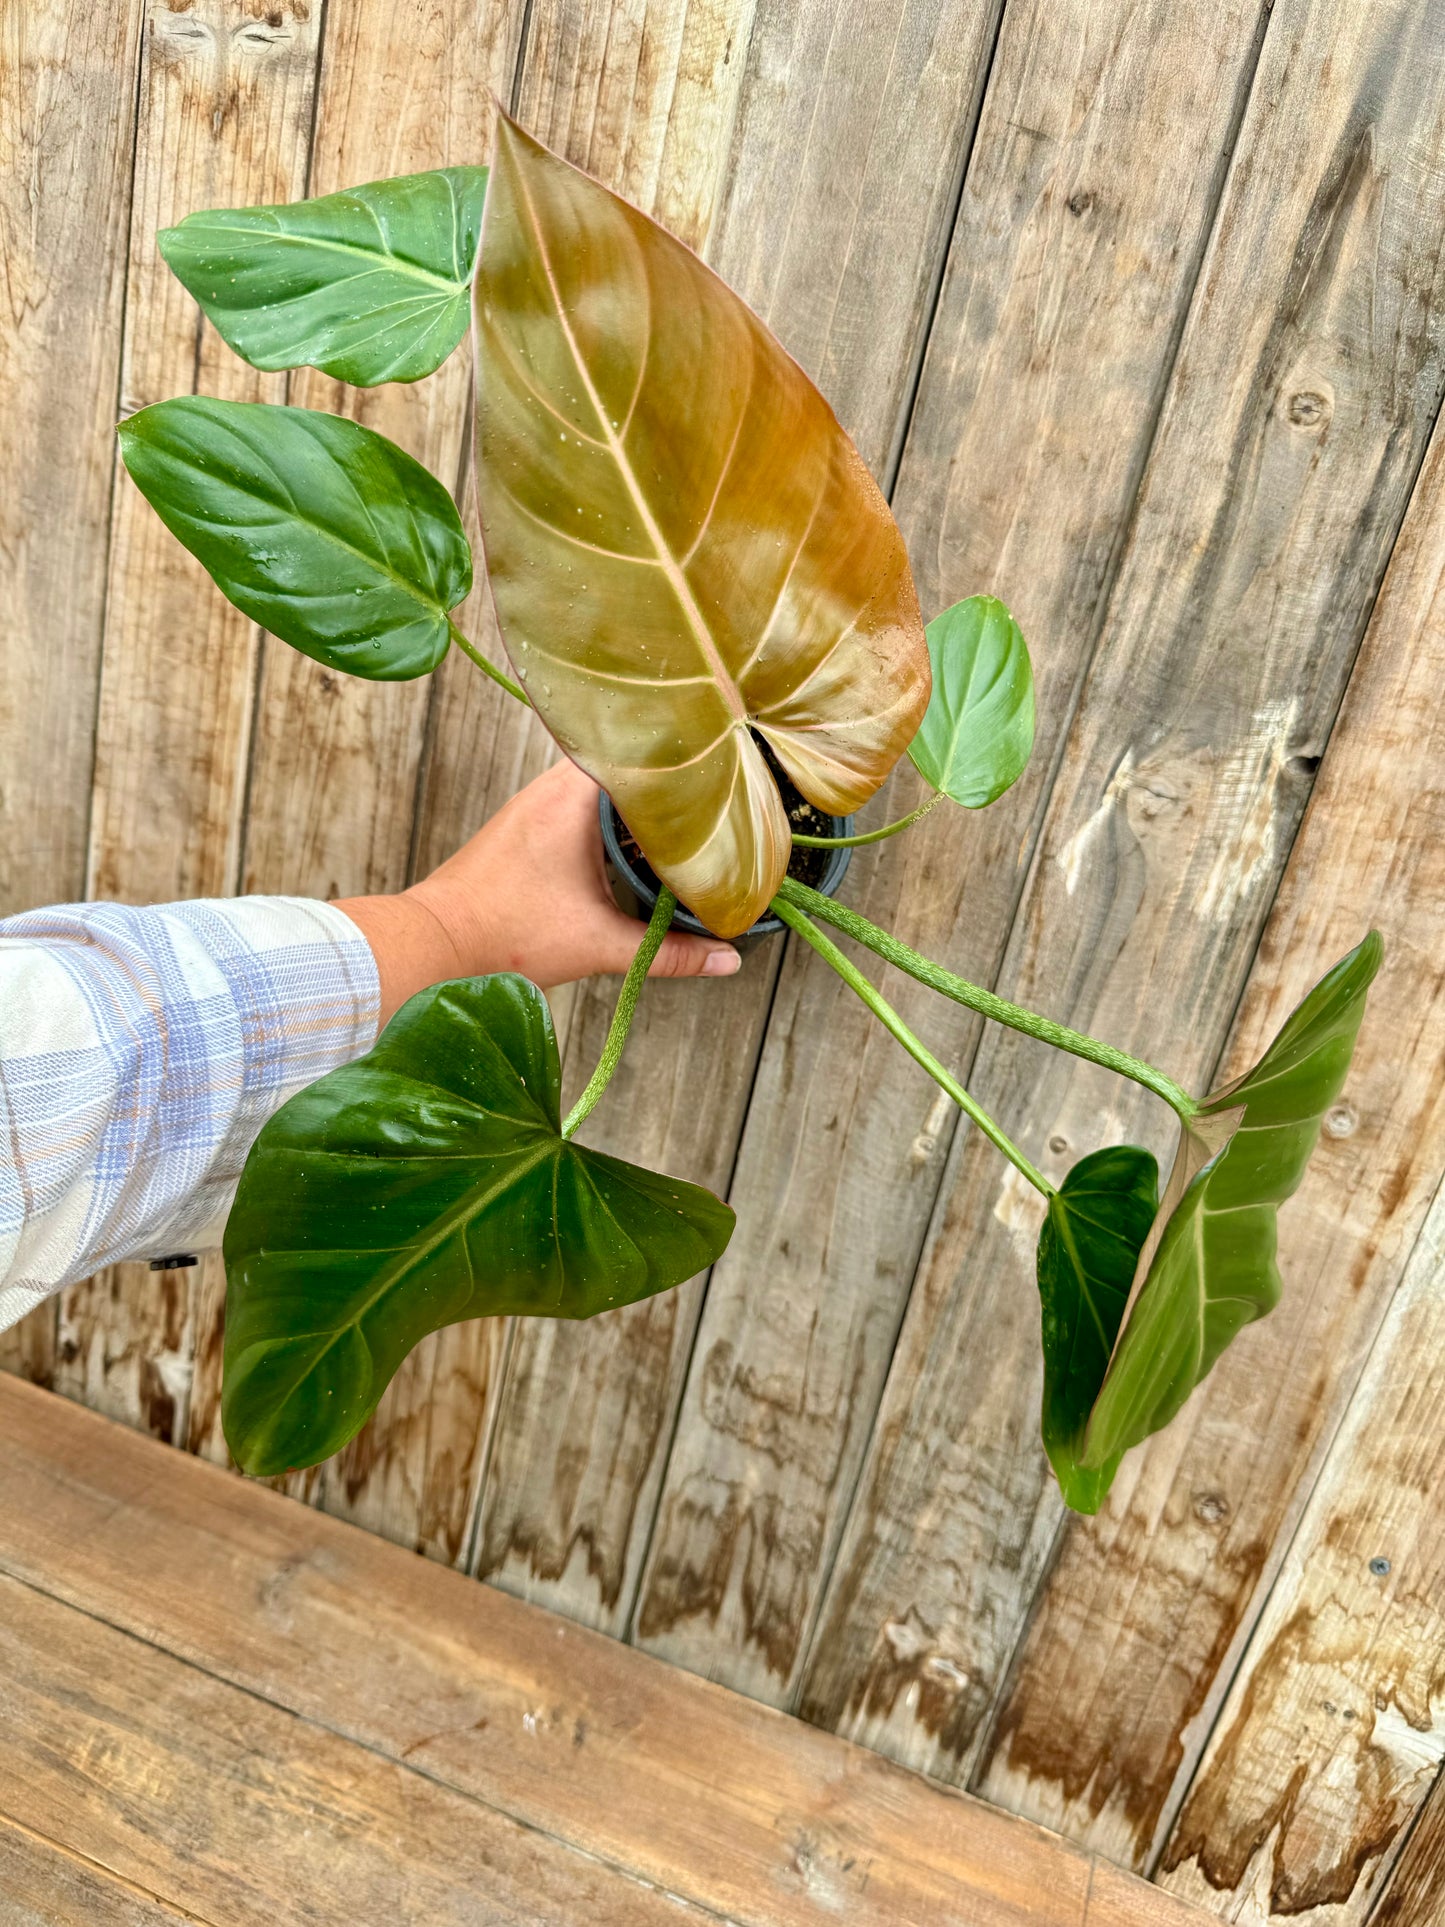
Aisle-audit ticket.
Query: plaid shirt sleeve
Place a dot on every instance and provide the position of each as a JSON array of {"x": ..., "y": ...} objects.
[{"x": 140, "y": 1053}]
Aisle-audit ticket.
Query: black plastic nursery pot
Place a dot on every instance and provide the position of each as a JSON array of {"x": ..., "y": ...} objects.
[{"x": 634, "y": 883}]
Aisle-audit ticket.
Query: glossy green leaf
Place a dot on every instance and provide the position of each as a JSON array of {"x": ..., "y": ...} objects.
[
  {"x": 1088, "y": 1248},
  {"x": 324, "y": 532},
  {"x": 371, "y": 285},
  {"x": 428, "y": 1182},
  {"x": 684, "y": 547},
  {"x": 1208, "y": 1268},
  {"x": 978, "y": 730}
]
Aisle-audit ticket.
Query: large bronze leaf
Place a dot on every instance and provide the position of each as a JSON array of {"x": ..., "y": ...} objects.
[{"x": 684, "y": 547}]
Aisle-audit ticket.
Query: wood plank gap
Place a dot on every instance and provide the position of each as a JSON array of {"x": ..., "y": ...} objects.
[
  {"x": 107, "y": 1874},
  {"x": 893, "y": 460},
  {"x": 397, "y": 1762}
]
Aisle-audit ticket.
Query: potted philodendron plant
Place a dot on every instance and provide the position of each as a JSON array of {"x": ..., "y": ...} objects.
[{"x": 704, "y": 596}]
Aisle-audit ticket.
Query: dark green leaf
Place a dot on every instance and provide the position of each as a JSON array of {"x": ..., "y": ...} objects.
[
  {"x": 324, "y": 532},
  {"x": 371, "y": 285},
  {"x": 426, "y": 1183},
  {"x": 1209, "y": 1267},
  {"x": 1097, "y": 1222},
  {"x": 978, "y": 730}
]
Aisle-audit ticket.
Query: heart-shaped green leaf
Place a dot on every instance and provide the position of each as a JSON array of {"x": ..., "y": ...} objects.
[
  {"x": 426, "y": 1183},
  {"x": 371, "y": 285},
  {"x": 978, "y": 730},
  {"x": 1089, "y": 1246},
  {"x": 324, "y": 532},
  {"x": 1208, "y": 1268},
  {"x": 683, "y": 545}
]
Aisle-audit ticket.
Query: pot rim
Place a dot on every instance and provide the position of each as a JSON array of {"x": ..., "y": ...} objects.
[{"x": 683, "y": 919}]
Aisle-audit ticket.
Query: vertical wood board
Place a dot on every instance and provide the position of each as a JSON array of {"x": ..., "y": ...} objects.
[
  {"x": 1333, "y": 1733},
  {"x": 1296, "y": 418},
  {"x": 1069, "y": 274},
  {"x": 828, "y": 95},
  {"x": 1129, "y": 1649},
  {"x": 223, "y": 118},
  {"x": 64, "y": 220},
  {"x": 333, "y": 780}
]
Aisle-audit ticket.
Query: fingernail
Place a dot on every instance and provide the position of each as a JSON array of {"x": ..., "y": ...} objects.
[{"x": 721, "y": 963}]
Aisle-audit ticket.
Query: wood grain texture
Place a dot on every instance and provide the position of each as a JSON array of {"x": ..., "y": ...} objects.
[
  {"x": 224, "y": 117},
  {"x": 1306, "y": 383},
  {"x": 642, "y": 97},
  {"x": 1131, "y": 1644},
  {"x": 46, "y": 1885},
  {"x": 1333, "y": 1732},
  {"x": 1415, "y": 1893},
  {"x": 334, "y": 774},
  {"x": 1069, "y": 272},
  {"x": 833, "y": 103},
  {"x": 64, "y": 220},
  {"x": 225, "y": 1804},
  {"x": 124, "y": 1347},
  {"x": 264, "y": 1694}
]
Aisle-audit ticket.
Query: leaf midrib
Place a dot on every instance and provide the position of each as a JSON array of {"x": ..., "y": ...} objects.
[
  {"x": 294, "y": 513},
  {"x": 666, "y": 559},
  {"x": 467, "y": 1209},
  {"x": 289, "y": 238}
]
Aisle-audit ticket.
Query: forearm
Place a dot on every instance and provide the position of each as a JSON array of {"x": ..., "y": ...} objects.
[{"x": 140, "y": 1053}]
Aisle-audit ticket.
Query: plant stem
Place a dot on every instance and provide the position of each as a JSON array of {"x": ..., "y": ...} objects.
[
  {"x": 984, "y": 1001},
  {"x": 626, "y": 1004},
  {"x": 870, "y": 836},
  {"x": 888, "y": 1016},
  {"x": 489, "y": 668}
]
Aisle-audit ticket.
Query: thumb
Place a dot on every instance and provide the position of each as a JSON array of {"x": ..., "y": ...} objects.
[{"x": 685, "y": 956}]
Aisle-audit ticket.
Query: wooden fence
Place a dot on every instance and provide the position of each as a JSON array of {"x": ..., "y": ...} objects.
[{"x": 1137, "y": 307}]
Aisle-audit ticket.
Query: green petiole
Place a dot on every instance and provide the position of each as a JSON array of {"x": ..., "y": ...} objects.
[
  {"x": 632, "y": 983},
  {"x": 889, "y": 1018},
  {"x": 999, "y": 1009},
  {"x": 870, "y": 836},
  {"x": 489, "y": 668}
]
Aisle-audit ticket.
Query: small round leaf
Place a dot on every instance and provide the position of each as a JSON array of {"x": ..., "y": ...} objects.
[{"x": 978, "y": 729}]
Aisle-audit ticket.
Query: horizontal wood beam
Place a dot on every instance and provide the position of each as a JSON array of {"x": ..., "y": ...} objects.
[{"x": 238, "y": 1668}]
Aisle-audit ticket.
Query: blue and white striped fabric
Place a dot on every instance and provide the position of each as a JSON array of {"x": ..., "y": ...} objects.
[{"x": 140, "y": 1053}]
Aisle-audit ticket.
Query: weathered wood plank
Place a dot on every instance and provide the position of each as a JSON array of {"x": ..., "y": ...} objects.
[
  {"x": 216, "y": 1800},
  {"x": 334, "y": 772},
  {"x": 1069, "y": 272},
  {"x": 1333, "y": 1733},
  {"x": 1415, "y": 1894},
  {"x": 642, "y": 97},
  {"x": 1297, "y": 415},
  {"x": 1130, "y": 1645},
  {"x": 64, "y": 218},
  {"x": 124, "y": 1347},
  {"x": 65, "y": 69},
  {"x": 224, "y": 117},
  {"x": 28, "y": 1349},
  {"x": 841, "y": 110},
  {"x": 737, "y": 1808},
  {"x": 413, "y": 1474},
  {"x": 45, "y": 1885}
]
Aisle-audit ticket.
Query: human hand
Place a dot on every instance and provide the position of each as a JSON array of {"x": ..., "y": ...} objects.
[{"x": 527, "y": 893}]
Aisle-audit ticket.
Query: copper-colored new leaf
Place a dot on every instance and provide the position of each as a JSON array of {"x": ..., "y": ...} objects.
[{"x": 683, "y": 544}]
